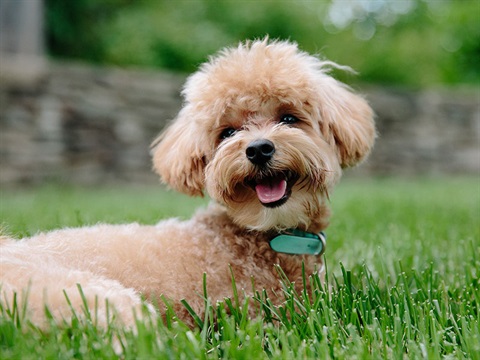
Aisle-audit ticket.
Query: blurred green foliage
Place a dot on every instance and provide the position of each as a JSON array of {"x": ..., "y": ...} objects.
[{"x": 410, "y": 42}]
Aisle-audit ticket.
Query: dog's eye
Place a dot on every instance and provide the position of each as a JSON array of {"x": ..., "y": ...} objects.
[
  {"x": 226, "y": 133},
  {"x": 288, "y": 119}
]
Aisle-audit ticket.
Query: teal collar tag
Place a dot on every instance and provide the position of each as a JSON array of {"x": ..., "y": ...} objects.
[{"x": 299, "y": 242}]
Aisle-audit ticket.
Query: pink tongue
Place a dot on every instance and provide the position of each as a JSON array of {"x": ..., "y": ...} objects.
[{"x": 268, "y": 193}]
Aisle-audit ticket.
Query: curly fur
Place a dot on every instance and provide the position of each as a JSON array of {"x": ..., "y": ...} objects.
[{"x": 247, "y": 89}]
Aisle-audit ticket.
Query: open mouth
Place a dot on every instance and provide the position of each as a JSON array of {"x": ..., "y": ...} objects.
[{"x": 273, "y": 191}]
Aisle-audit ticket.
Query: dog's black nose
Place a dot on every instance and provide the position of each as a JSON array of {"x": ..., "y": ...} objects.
[{"x": 260, "y": 151}]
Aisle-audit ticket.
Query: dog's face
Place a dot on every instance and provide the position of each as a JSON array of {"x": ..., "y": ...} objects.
[{"x": 265, "y": 131}]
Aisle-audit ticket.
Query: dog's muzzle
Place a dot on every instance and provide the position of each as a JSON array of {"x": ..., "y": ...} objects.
[{"x": 273, "y": 189}]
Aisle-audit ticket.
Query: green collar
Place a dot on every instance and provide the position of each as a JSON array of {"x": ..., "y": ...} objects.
[{"x": 294, "y": 241}]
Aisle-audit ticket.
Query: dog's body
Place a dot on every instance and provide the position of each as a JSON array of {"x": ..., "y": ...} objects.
[
  {"x": 265, "y": 131},
  {"x": 122, "y": 262}
]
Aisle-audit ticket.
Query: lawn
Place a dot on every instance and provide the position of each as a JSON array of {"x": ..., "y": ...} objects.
[{"x": 403, "y": 261}]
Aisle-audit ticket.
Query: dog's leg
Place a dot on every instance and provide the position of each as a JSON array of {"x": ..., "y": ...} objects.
[{"x": 68, "y": 293}]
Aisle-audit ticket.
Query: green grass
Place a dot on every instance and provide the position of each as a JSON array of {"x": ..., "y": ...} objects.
[{"x": 403, "y": 261}]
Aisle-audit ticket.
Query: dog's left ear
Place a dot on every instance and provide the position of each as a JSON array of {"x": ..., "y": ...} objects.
[
  {"x": 348, "y": 122},
  {"x": 178, "y": 156}
]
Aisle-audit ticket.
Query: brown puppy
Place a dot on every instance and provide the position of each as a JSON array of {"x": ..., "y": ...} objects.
[{"x": 265, "y": 131}]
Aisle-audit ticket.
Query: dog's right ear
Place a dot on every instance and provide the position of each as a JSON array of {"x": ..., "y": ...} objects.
[{"x": 178, "y": 157}]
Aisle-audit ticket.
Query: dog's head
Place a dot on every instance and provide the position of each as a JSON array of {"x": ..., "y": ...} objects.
[{"x": 265, "y": 131}]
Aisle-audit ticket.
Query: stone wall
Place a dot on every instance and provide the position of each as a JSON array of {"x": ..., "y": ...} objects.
[
  {"x": 426, "y": 132},
  {"x": 84, "y": 125},
  {"x": 91, "y": 125}
]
